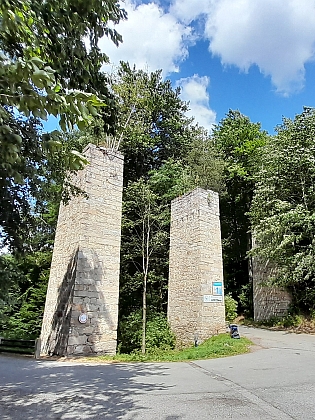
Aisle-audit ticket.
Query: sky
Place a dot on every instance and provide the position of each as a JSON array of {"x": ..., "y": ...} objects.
[{"x": 255, "y": 56}]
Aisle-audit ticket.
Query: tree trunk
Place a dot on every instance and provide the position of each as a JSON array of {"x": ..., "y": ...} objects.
[
  {"x": 145, "y": 268},
  {"x": 144, "y": 313}
]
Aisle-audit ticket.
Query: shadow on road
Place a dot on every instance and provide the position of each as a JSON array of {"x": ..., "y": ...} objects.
[{"x": 54, "y": 390}]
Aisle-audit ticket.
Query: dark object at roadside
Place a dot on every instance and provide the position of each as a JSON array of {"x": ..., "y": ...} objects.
[
  {"x": 234, "y": 331},
  {"x": 20, "y": 346}
]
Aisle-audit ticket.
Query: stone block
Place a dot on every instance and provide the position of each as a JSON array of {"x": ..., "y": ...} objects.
[{"x": 73, "y": 341}]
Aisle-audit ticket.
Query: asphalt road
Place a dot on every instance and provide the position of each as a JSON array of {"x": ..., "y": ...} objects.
[{"x": 275, "y": 381}]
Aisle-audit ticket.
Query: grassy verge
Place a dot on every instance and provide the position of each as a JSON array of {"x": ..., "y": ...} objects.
[
  {"x": 217, "y": 346},
  {"x": 294, "y": 323}
]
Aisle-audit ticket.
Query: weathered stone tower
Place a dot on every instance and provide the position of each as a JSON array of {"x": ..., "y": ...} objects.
[
  {"x": 196, "y": 294},
  {"x": 268, "y": 300},
  {"x": 81, "y": 311}
]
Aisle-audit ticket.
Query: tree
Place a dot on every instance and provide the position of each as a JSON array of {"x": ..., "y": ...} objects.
[
  {"x": 43, "y": 47},
  {"x": 144, "y": 219},
  {"x": 45, "y": 65},
  {"x": 29, "y": 208},
  {"x": 152, "y": 121},
  {"x": 156, "y": 138},
  {"x": 204, "y": 162},
  {"x": 46, "y": 68},
  {"x": 283, "y": 210},
  {"x": 238, "y": 142}
]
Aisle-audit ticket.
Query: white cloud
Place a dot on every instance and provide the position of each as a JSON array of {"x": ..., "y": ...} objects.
[
  {"x": 275, "y": 35},
  {"x": 194, "y": 90},
  {"x": 189, "y": 10},
  {"x": 153, "y": 39},
  {"x": 157, "y": 39}
]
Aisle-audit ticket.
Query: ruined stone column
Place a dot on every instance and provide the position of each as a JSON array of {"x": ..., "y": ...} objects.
[
  {"x": 269, "y": 301},
  {"x": 196, "y": 294},
  {"x": 81, "y": 311}
]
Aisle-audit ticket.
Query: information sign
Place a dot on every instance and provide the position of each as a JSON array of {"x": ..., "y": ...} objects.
[{"x": 217, "y": 289}]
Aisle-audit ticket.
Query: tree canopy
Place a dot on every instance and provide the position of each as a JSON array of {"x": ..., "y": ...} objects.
[
  {"x": 283, "y": 210},
  {"x": 50, "y": 64},
  {"x": 239, "y": 143}
]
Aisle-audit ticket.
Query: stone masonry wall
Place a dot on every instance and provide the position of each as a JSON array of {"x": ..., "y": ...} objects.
[
  {"x": 268, "y": 301},
  {"x": 195, "y": 301},
  {"x": 84, "y": 276}
]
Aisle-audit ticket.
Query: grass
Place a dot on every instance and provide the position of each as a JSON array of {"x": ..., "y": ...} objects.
[
  {"x": 217, "y": 346},
  {"x": 295, "y": 323}
]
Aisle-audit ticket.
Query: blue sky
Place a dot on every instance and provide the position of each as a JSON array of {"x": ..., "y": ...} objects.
[{"x": 253, "y": 55}]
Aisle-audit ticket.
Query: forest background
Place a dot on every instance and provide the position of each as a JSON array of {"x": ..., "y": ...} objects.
[{"x": 266, "y": 183}]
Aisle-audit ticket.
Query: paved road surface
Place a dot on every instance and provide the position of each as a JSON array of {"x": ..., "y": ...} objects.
[{"x": 276, "y": 381}]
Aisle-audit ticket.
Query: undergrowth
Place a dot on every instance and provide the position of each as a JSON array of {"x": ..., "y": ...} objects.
[
  {"x": 287, "y": 321},
  {"x": 218, "y": 346}
]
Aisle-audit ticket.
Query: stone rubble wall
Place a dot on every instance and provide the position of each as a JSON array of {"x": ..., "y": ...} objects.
[
  {"x": 84, "y": 276},
  {"x": 195, "y": 263},
  {"x": 269, "y": 301}
]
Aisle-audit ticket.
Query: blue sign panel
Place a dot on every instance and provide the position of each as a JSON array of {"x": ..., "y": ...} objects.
[{"x": 217, "y": 288}]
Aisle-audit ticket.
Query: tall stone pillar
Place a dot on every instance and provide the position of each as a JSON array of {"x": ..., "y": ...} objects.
[
  {"x": 196, "y": 293},
  {"x": 81, "y": 311}
]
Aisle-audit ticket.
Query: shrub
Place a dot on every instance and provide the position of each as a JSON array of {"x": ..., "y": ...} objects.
[
  {"x": 292, "y": 321},
  {"x": 158, "y": 333},
  {"x": 230, "y": 308},
  {"x": 246, "y": 300}
]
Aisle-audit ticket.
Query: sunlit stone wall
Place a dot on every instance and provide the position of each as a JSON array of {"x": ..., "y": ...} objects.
[
  {"x": 196, "y": 302},
  {"x": 81, "y": 311}
]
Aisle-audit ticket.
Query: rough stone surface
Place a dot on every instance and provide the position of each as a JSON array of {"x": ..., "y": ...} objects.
[
  {"x": 195, "y": 264},
  {"x": 84, "y": 276},
  {"x": 268, "y": 301}
]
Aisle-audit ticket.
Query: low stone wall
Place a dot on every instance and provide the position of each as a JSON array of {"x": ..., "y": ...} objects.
[{"x": 195, "y": 298}]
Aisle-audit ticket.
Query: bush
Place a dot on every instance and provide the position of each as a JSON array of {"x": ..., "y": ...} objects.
[
  {"x": 230, "y": 308},
  {"x": 246, "y": 300},
  {"x": 158, "y": 333},
  {"x": 290, "y": 320}
]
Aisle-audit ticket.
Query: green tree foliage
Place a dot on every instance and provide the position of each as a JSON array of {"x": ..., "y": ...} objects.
[
  {"x": 205, "y": 165},
  {"x": 22, "y": 293},
  {"x": 157, "y": 139},
  {"x": 144, "y": 220},
  {"x": 145, "y": 243},
  {"x": 238, "y": 142},
  {"x": 230, "y": 308},
  {"x": 29, "y": 209},
  {"x": 48, "y": 68},
  {"x": 283, "y": 210},
  {"x": 158, "y": 333},
  {"x": 45, "y": 60},
  {"x": 153, "y": 129},
  {"x": 152, "y": 120}
]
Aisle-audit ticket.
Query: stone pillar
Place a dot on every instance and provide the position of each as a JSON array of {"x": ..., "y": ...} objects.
[
  {"x": 81, "y": 311},
  {"x": 195, "y": 296},
  {"x": 269, "y": 301}
]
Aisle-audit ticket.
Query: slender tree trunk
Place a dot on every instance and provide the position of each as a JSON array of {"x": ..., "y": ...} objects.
[
  {"x": 144, "y": 313},
  {"x": 145, "y": 268}
]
